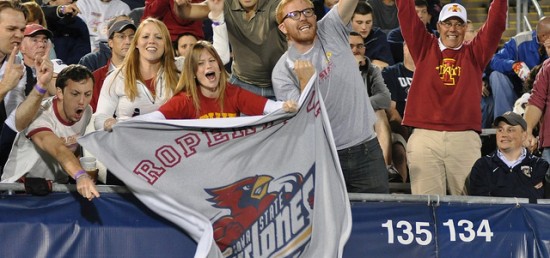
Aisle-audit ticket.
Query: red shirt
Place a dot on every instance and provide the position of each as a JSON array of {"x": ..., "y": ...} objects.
[
  {"x": 445, "y": 92},
  {"x": 163, "y": 10},
  {"x": 236, "y": 101}
]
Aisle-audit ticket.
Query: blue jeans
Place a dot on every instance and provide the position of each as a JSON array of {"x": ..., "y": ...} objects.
[
  {"x": 364, "y": 168},
  {"x": 504, "y": 92},
  {"x": 266, "y": 92}
]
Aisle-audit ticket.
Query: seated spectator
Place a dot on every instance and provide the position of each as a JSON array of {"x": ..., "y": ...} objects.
[
  {"x": 96, "y": 14},
  {"x": 398, "y": 79},
  {"x": 395, "y": 38},
  {"x": 98, "y": 59},
  {"x": 48, "y": 147},
  {"x": 184, "y": 43},
  {"x": 512, "y": 63},
  {"x": 376, "y": 43},
  {"x": 204, "y": 92},
  {"x": 164, "y": 11},
  {"x": 510, "y": 171},
  {"x": 121, "y": 34}
]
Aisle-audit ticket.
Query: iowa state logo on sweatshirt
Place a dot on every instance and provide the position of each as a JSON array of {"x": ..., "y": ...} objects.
[
  {"x": 264, "y": 216},
  {"x": 448, "y": 71}
]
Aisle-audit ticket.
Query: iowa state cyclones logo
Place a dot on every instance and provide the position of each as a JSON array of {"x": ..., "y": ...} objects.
[{"x": 264, "y": 216}]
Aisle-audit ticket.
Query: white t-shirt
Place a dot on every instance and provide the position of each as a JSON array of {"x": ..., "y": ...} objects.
[
  {"x": 96, "y": 14},
  {"x": 27, "y": 158}
]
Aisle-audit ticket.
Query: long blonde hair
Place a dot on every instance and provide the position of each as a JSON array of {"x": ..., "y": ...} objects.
[
  {"x": 130, "y": 66},
  {"x": 188, "y": 81}
]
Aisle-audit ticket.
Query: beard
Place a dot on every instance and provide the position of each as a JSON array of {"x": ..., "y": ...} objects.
[{"x": 303, "y": 37}]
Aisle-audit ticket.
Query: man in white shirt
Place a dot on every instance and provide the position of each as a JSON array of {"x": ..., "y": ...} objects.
[{"x": 96, "y": 14}]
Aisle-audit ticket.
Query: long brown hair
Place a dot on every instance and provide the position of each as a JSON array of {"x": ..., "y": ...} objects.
[
  {"x": 130, "y": 66},
  {"x": 188, "y": 81},
  {"x": 35, "y": 13}
]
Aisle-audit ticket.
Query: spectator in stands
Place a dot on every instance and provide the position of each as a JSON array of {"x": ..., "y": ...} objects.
[
  {"x": 12, "y": 72},
  {"x": 445, "y": 142},
  {"x": 384, "y": 14},
  {"x": 379, "y": 98},
  {"x": 71, "y": 38},
  {"x": 510, "y": 171},
  {"x": 511, "y": 64},
  {"x": 322, "y": 7},
  {"x": 395, "y": 38},
  {"x": 164, "y": 11},
  {"x": 376, "y": 43},
  {"x": 98, "y": 59},
  {"x": 146, "y": 79},
  {"x": 398, "y": 79},
  {"x": 48, "y": 147},
  {"x": 537, "y": 111},
  {"x": 121, "y": 34},
  {"x": 184, "y": 43},
  {"x": 256, "y": 42},
  {"x": 96, "y": 14},
  {"x": 319, "y": 46},
  {"x": 33, "y": 48},
  {"x": 204, "y": 91}
]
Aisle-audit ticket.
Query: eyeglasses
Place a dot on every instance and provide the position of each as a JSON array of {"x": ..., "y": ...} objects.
[
  {"x": 358, "y": 46},
  {"x": 448, "y": 25},
  {"x": 295, "y": 15}
]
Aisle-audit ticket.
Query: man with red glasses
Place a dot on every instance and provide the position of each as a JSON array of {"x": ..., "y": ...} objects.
[
  {"x": 443, "y": 101},
  {"x": 324, "y": 46}
]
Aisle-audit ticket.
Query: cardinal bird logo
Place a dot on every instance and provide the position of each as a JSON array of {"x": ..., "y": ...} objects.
[{"x": 249, "y": 199}]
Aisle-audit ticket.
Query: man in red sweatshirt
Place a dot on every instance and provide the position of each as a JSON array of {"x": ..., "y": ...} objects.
[{"x": 443, "y": 101}]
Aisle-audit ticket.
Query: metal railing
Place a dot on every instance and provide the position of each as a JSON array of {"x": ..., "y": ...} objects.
[{"x": 522, "y": 12}]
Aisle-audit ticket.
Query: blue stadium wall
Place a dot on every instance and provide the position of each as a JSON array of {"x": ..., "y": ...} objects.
[{"x": 118, "y": 225}]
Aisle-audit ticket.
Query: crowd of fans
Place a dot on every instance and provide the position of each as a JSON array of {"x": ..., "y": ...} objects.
[{"x": 65, "y": 60}]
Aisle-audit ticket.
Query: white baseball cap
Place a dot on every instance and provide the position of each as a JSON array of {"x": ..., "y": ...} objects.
[
  {"x": 58, "y": 65},
  {"x": 453, "y": 10}
]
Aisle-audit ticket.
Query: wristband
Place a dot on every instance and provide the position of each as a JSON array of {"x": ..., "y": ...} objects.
[
  {"x": 215, "y": 23},
  {"x": 79, "y": 174},
  {"x": 38, "y": 88}
]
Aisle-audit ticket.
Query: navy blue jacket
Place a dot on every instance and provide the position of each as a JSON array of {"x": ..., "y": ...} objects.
[
  {"x": 377, "y": 46},
  {"x": 490, "y": 176},
  {"x": 96, "y": 60}
]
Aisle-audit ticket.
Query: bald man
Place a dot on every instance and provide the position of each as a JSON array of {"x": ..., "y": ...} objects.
[{"x": 512, "y": 64}]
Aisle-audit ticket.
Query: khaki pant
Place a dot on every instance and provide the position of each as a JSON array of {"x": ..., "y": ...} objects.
[{"x": 440, "y": 161}]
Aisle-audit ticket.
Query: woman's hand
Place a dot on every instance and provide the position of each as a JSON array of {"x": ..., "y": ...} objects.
[{"x": 108, "y": 125}]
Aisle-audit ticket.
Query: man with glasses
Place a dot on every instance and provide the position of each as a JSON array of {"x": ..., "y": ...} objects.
[
  {"x": 379, "y": 95},
  {"x": 511, "y": 64},
  {"x": 324, "y": 46},
  {"x": 443, "y": 101},
  {"x": 121, "y": 33}
]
